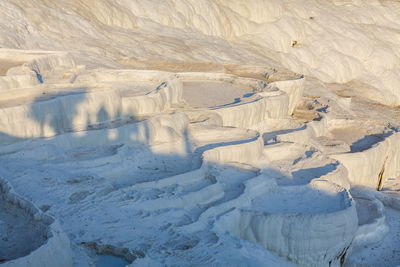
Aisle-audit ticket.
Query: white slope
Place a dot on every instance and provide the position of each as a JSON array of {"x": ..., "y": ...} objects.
[
  {"x": 206, "y": 133},
  {"x": 334, "y": 41}
]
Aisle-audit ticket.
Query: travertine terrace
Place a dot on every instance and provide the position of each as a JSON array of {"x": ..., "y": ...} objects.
[{"x": 199, "y": 133}]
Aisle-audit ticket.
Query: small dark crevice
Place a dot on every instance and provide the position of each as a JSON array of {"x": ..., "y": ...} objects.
[
  {"x": 343, "y": 259},
  {"x": 380, "y": 176},
  {"x": 39, "y": 76},
  {"x": 342, "y": 256}
]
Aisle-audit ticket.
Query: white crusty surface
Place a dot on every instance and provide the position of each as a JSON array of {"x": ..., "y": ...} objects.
[{"x": 199, "y": 132}]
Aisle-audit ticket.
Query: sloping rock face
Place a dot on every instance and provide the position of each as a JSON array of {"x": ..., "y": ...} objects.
[
  {"x": 199, "y": 133},
  {"x": 304, "y": 36}
]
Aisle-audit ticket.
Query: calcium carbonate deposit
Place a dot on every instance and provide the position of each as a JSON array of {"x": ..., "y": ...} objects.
[{"x": 199, "y": 133}]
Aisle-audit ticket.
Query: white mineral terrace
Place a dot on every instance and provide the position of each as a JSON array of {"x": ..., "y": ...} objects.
[
  {"x": 29, "y": 237},
  {"x": 199, "y": 133}
]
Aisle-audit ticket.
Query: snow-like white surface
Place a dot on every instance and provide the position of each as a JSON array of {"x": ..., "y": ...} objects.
[
  {"x": 206, "y": 133},
  {"x": 299, "y": 200},
  {"x": 336, "y": 41},
  {"x": 376, "y": 242}
]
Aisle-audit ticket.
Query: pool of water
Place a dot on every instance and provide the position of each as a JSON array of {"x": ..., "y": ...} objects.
[{"x": 110, "y": 261}]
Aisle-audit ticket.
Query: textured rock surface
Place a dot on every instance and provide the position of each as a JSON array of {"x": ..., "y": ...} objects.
[{"x": 182, "y": 132}]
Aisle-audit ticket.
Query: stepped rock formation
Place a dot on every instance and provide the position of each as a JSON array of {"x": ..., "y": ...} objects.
[{"x": 205, "y": 133}]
